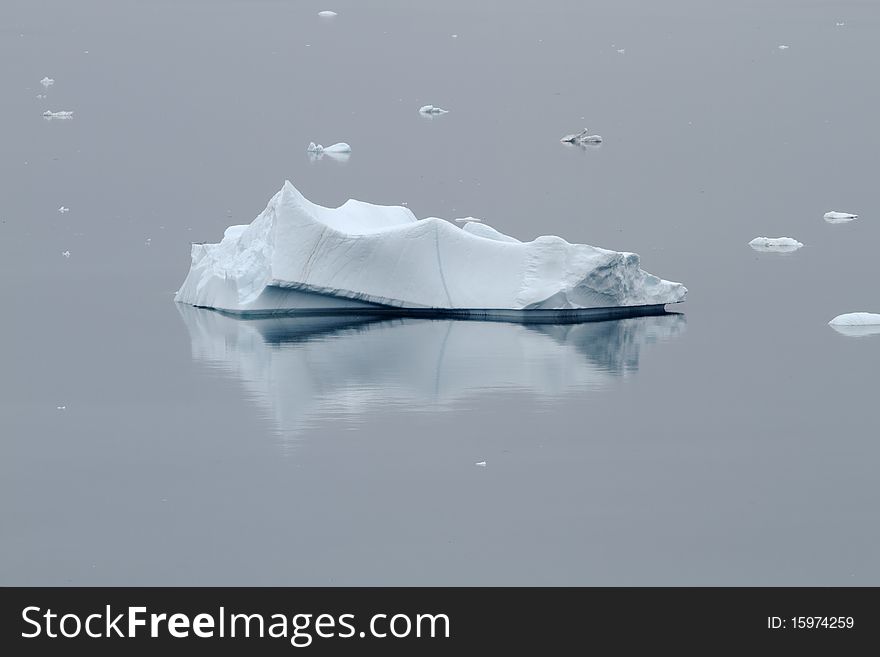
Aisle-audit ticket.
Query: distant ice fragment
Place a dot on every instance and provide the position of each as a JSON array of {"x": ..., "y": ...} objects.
[
  {"x": 361, "y": 257},
  {"x": 327, "y": 13},
  {"x": 64, "y": 114},
  {"x": 856, "y": 319},
  {"x": 66, "y": 254},
  {"x": 47, "y": 82},
  {"x": 839, "y": 24},
  {"x": 340, "y": 147},
  {"x": 430, "y": 109},
  {"x": 856, "y": 324},
  {"x": 463, "y": 220},
  {"x": 582, "y": 137},
  {"x": 481, "y": 464},
  {"x": 63, "y": 210},
  {"x": 61, "y": 408},
  {"x": 835, "y": 217},
  {"x": 783, "y": 47},
  {"x": 621, "y": 50},
  {"x": 454, "y": 36},
  {"x": 775, "y": 244}
]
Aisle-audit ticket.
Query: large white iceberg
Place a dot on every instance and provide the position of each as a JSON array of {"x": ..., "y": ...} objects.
[
  {"x": 856, "y": 324},
  {"x": 301, "y": 257}
]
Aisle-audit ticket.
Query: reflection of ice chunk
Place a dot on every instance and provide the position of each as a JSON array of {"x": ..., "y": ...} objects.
[
  {"x": 775, "y": 244},
  {"x": 582, "y": 137},
  {"x": 47, "y": 82},
  {"x": 856, "y": 324},
  {"x": 430, "y": 109},
  {"x": 58, "y": 115},
  {"x": 305, "y": 369},
  {"x": 327, "y": 13},
  {"x": 834, "y": 217},
  {"x": 341, "y": 147},
  {"x": 299, "y": 256}
]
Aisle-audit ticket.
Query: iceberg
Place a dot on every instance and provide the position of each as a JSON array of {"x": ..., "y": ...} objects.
[
  {"x": 582, "y": 137},
  {"x": 856, "y": 324},
  {"x": 835, "y": 217},
  {"x": 430, "y": 109},
  {"x": 57, "y": 115},
  {"x": 775, "y": 244},
  {"x": 327, "y": 13},
  {"x": 47, "y": 81},
  {"x": 341, "y": 147},
  {"x": 299, "y": 257}
]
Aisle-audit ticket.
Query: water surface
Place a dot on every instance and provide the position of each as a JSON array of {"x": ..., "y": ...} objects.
[{"x": 732, "y": 444}]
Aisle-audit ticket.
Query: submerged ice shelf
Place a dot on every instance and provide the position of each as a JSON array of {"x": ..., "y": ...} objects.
[{"x": 300, "y": 257}]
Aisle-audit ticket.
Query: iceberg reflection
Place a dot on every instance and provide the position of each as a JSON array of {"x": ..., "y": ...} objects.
[{"x": 303, "y": 370}]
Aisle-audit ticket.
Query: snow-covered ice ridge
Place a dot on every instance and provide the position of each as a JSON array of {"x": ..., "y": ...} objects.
[{"x": 297, "y": 256}]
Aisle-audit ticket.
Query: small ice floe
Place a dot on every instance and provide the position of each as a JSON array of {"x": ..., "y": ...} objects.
[
  {"x": 839, "y": 24},
  {"x": 835, "y": 217},
  {"x": 61, "y": 408},
  {"x": 454, "y": 36},
  {"x": 783, "y": 47},
  {"x": 64, "y": 114},
  {"x": 66, "y": 254},
  {"x": 480, "y": 464},
  {"x": 856, "y": 324},
  {"x": 465, "y": 220},
  {"x": 622, "y": 51},
  {"x": 47, "y": 82},
  {"x": 41, "y": 96},
  {"x": 341, "y": 147},
  {"x": 430, "y": 109},
  {"x": 63, "y": 210},
  {"x": 327, "y": 13},
  {"x": 582, "y": 137},
  {"x": 775, "y": 244}
]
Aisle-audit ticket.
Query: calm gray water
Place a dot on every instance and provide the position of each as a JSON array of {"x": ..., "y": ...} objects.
[{"x": 735, "y": 443}]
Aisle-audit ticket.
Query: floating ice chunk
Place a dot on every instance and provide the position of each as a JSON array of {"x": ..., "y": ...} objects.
[
  {"x": 61, "y": 408},
  {"x": 64, "y": 114},
  {"x": 41, "y": 96},
  {"x": 341, "y": 147},
  {"x": 783, "y": 47},
  {"x": 47, "y": 82},
  {"x": 327, "y": 13},
  {"x": 454, "y": 36},
  {"x": 463, "y": 220},
  {"x": 66, "y": 254},
  {"x": 621, "y": 50},
  {"x": 856, "y": 319},
  {"x": 297, "y": 255},
  {"x": 856, "y": 324},
  {"x": 63, "y": 210},
  {"x": 430, "y": 109},
  {"x": 775, "y": 244},
  {"x": 481, "y": 464},
  {"x": 582, "y": 137},
  {"x": 839, "y": 24},
  {"x": 835, "y": 217}
]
